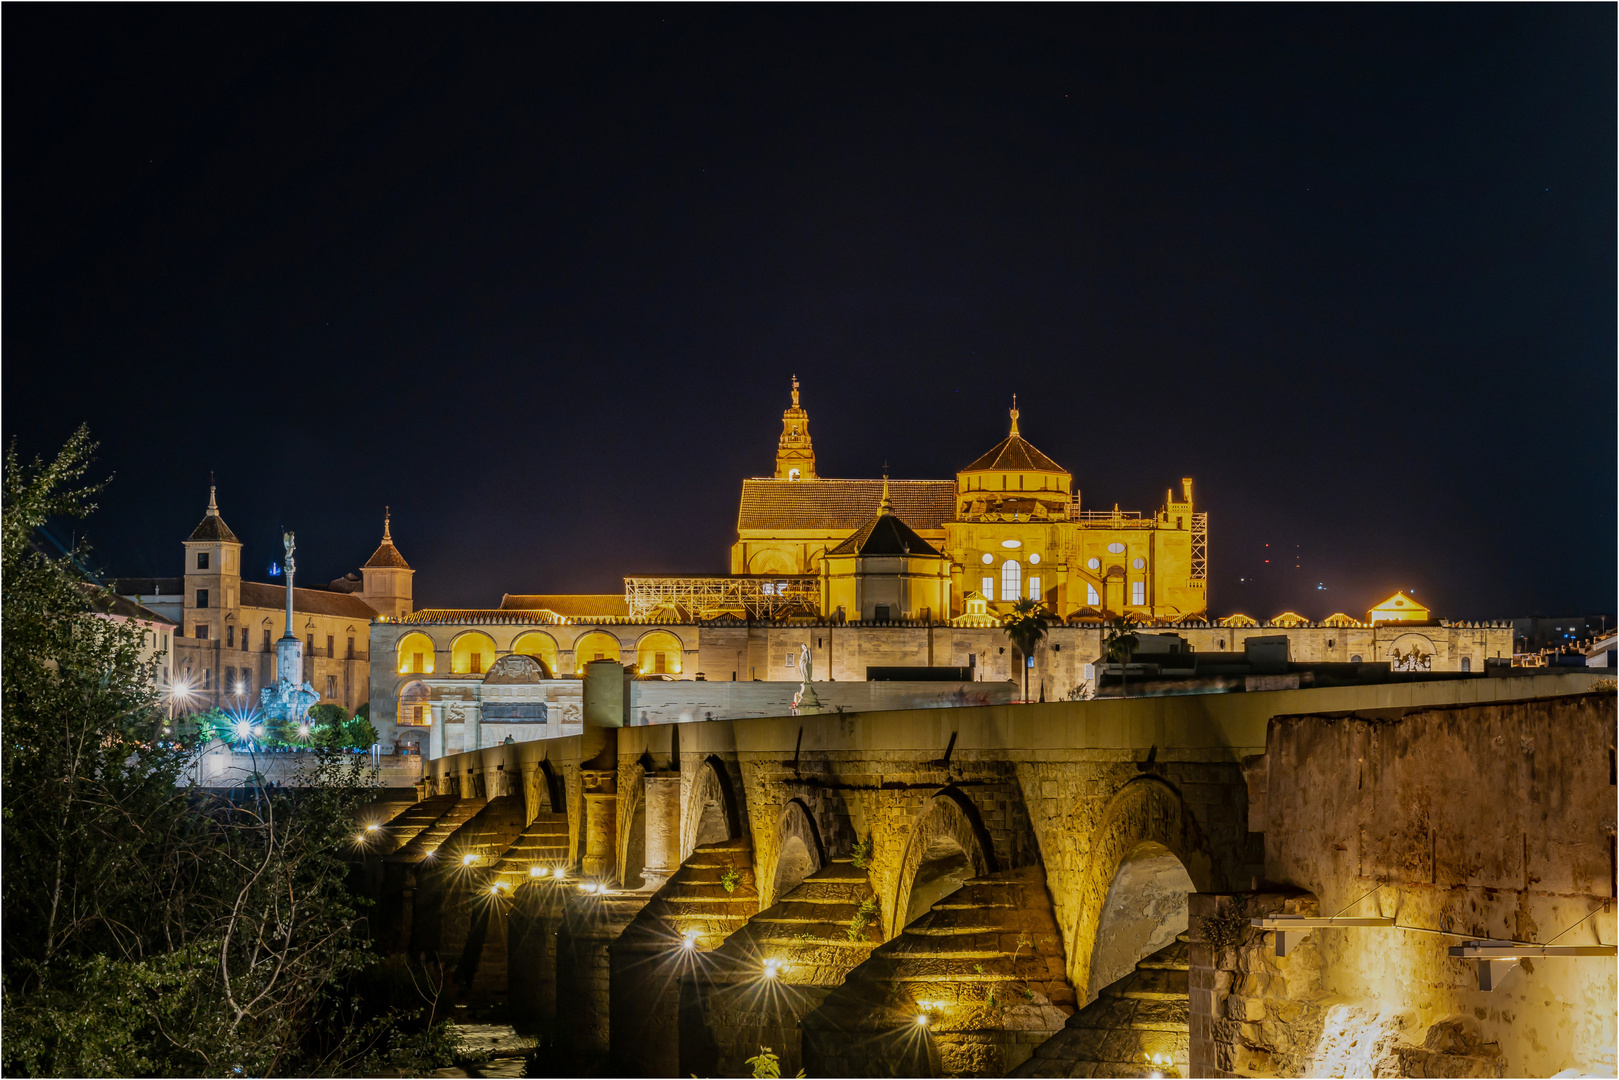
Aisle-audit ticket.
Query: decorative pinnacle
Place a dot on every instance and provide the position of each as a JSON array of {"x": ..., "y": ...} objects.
[
  {"x": 213, "y": 504},
  {"x": 795, "y": 391},
  {"x": 885, "y": 507},
  {"x": 1014, "y": 414},
  {"x": 387, "y": 535}
]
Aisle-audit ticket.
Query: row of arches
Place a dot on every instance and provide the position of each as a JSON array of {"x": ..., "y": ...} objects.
[{"x": 657, "y": 652}]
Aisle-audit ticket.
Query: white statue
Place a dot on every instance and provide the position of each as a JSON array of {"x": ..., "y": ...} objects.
[{"x": 805, "y": 663}]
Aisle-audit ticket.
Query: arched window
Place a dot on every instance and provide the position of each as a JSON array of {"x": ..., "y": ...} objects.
[
  {"x": 1011, "y": 579},
  {"x": 541, "y": 647},
  {"x": 472, "y": 654},
  {"x": 658, "y": 653},
  {"x": 595, "y": 645},
  {"x": 415, "y": 654},
  {"x": 413, "y": 705}
]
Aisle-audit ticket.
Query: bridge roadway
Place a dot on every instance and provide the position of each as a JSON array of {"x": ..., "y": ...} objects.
[{"x": 912, "y": 892}]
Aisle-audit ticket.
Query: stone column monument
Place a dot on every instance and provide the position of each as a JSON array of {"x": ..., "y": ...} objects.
[{"x": 290, "y": 698}]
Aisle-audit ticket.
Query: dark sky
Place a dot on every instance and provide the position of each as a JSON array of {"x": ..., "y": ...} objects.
[{"x": 538, "y": 277}]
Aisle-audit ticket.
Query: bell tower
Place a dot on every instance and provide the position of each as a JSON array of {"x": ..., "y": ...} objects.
[
  {"x": 795, "y": 457},
  {"x": 386, "y": 576}
]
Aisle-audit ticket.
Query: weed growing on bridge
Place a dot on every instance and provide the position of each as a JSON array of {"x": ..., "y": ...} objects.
[
  {"x": 860, "y": 853},
  {"x": 1223, "y": 929},
  {"x": 730, "y": 879},
  {"x": 863, "y": 915}
]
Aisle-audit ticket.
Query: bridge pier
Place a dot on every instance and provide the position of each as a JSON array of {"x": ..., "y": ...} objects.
[{"x": 662, "y": 828}]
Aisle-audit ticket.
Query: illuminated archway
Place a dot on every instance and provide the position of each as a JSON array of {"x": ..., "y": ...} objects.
[
  {"x": 711, "y": 815},
  {"x": 415, "y": 654},
  {"x": 1145, "y": 907},
  {"x": 595, "y": 645},
  {"x": 414, "y": 710},
  {"x": 540, "y": 646},
  {"x": 473, "y": 653},
  {"x": 658, "y": 653},
  {"x": 948, "y": 845}
]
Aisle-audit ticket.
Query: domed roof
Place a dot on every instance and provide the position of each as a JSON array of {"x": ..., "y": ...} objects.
[{"x": 1014, "y": 454}]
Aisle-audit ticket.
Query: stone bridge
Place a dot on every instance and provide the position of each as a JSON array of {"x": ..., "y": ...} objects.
[{"x": 928, "y": 892}]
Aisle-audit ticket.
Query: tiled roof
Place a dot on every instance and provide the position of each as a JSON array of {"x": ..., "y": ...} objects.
[
  {"x": 113, "y": 604},
  {"x": 306, "y": 601},
  {"x": 213, "y": 527},
  {"x": 572, "y": 606},
  {"x": 886, "y": 534},
  {"x": 387, "y": 556},
  {"x": 842, "y": 504},
  {"x": 1014, "y": 453}
]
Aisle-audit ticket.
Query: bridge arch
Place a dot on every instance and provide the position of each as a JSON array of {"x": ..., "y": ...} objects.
[
  {"x": 711, "y": 813},
  {"x": 799, "y": 851},
  {"x": 1146, "y": 815},
  {"x": 948, "y": 844}
]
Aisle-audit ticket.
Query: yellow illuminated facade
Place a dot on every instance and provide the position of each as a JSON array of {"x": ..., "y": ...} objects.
[
  {"x": 1398, "y": 608},
  {"x": 1009, "y": 527}
]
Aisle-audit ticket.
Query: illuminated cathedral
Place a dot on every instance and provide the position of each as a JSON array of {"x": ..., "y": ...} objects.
[{"x": 1009, "y": 527}]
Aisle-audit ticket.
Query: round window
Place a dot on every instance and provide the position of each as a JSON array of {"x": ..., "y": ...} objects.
[
  {"x": 1115, "y": 549},
  {"x": 1139, "y": 563},
  {"x": 1034, "y": 558},
  {"x": 988, "y": 558},
  {"x": 1095, "y": 564},
  {"x": 1011, "y": 543}
]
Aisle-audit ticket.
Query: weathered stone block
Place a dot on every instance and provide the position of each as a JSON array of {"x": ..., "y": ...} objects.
[{"x": 1244, "y": 1008}]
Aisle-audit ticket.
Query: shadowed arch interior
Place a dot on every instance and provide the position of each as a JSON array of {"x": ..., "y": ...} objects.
[
  {"x": 948, "y": 845},
  {"x": 1145, "y": 907},
  {"x": 1146, "y": 809},
  {"x": 799, "y": 852},
  {"x": 711, "y": 811}
]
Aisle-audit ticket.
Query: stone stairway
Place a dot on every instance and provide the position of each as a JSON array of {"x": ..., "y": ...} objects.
[
  {"x": 968, "y": 989},
  {"x": 1139, "y": 1016},
  {"x": 425, "y": 844},
  {"x": 651, "y": 958},
  {"x": 543, "y": 844},
  {"x": 810, "y": 939},
  {"x": 404, "y": 828}
]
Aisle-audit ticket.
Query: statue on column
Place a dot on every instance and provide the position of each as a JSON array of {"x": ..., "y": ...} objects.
[
  {"x": 290, "y": 698},
  {"x": 805, "y": 700}
]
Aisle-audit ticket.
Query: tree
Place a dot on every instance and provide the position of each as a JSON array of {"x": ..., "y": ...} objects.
[
  {"x": 1025, "y": 626},
  {"x": 1119, "y": 646},
  {"x": 152, "y": 928}
]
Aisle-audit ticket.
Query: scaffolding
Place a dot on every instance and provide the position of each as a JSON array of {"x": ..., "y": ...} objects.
[
  {"x": 1200, "y": 547},
  {"x": 753, "y": 596}
]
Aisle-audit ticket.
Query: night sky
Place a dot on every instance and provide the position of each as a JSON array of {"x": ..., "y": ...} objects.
[{"x": 538, "y": 278}]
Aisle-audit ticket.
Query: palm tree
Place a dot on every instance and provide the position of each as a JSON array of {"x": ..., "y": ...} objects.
[
  {"x": 1025, "y": 625},
  {"x": 1118, "y": 647}
]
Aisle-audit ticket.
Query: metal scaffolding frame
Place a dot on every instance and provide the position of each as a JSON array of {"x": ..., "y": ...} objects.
[
  {"x": 1200, "y": 547},
  {"x": 756, "y": 596}
]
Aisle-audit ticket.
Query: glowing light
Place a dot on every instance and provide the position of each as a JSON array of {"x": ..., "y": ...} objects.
[
  {"x": 536, "y": 871},
  {"x": 428, "y": 854},
  {"x": 689, "y": 940},
  {"x": 373, "y": 827},
  {"x": 303, "y": 729},
  {"x": 468, "y": 860},
  {"x": 772, "y": 968},
  {"x": 921, "y": 1019},
  {"x": 494, "y": 890},
  {"x": 258, "y": 729}
]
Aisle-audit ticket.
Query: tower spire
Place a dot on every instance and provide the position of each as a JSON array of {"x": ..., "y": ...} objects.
[
  {"x": 795, "y": 457},
  {"x": 885, "y": 507},
  {"x": 795, "y": 391},
  {"x": 1014, "y": 414},
  {"x": 213, "y": 504},
  {"x": 387, "y": 534}
]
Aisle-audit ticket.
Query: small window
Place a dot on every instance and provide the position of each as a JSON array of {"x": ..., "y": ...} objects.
[
  {"x": 1034, "y": 589},
  {"x": 1467, "y": 663},
  {"x": 202, "y": 632},
  {"x": 1139, "y": 563},
  {"x": 987, "y": 587},
  {"x": 882, "y": 613},
  {"x": 202, "y": 598},
  {"x": 309, "y": 644},
  {"x": 247, "y": 681},
  {"x": 1330, "y": 643},
  {"x": 475, "y": 662},
  {"x": 351, "y": 647},
  {"x": 988, "y": 558},
  {"x": 1115, "y": 549},
  {"x": 330, "y": 649},
  {"x": 1138, "y": 593},
  {"x": 416, "y": 663},
  {"x": 660, "y": 665},
  {"x": 244, "y": 639},
  {"x": 1355, "y": 659},
  {"x": 791, "y": 661},
  {"x": 230, "y": 678},
  {"x": 207, "y": 683},
  {"x": 331, "y": 686},
  {"x": 230, "y": 637},
  {"x": 1090, "y": 593},
  {"x": 1094, "y": 564},
  {"x": 266, "y": 640},
  {"x": 202, "y": 560}
]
